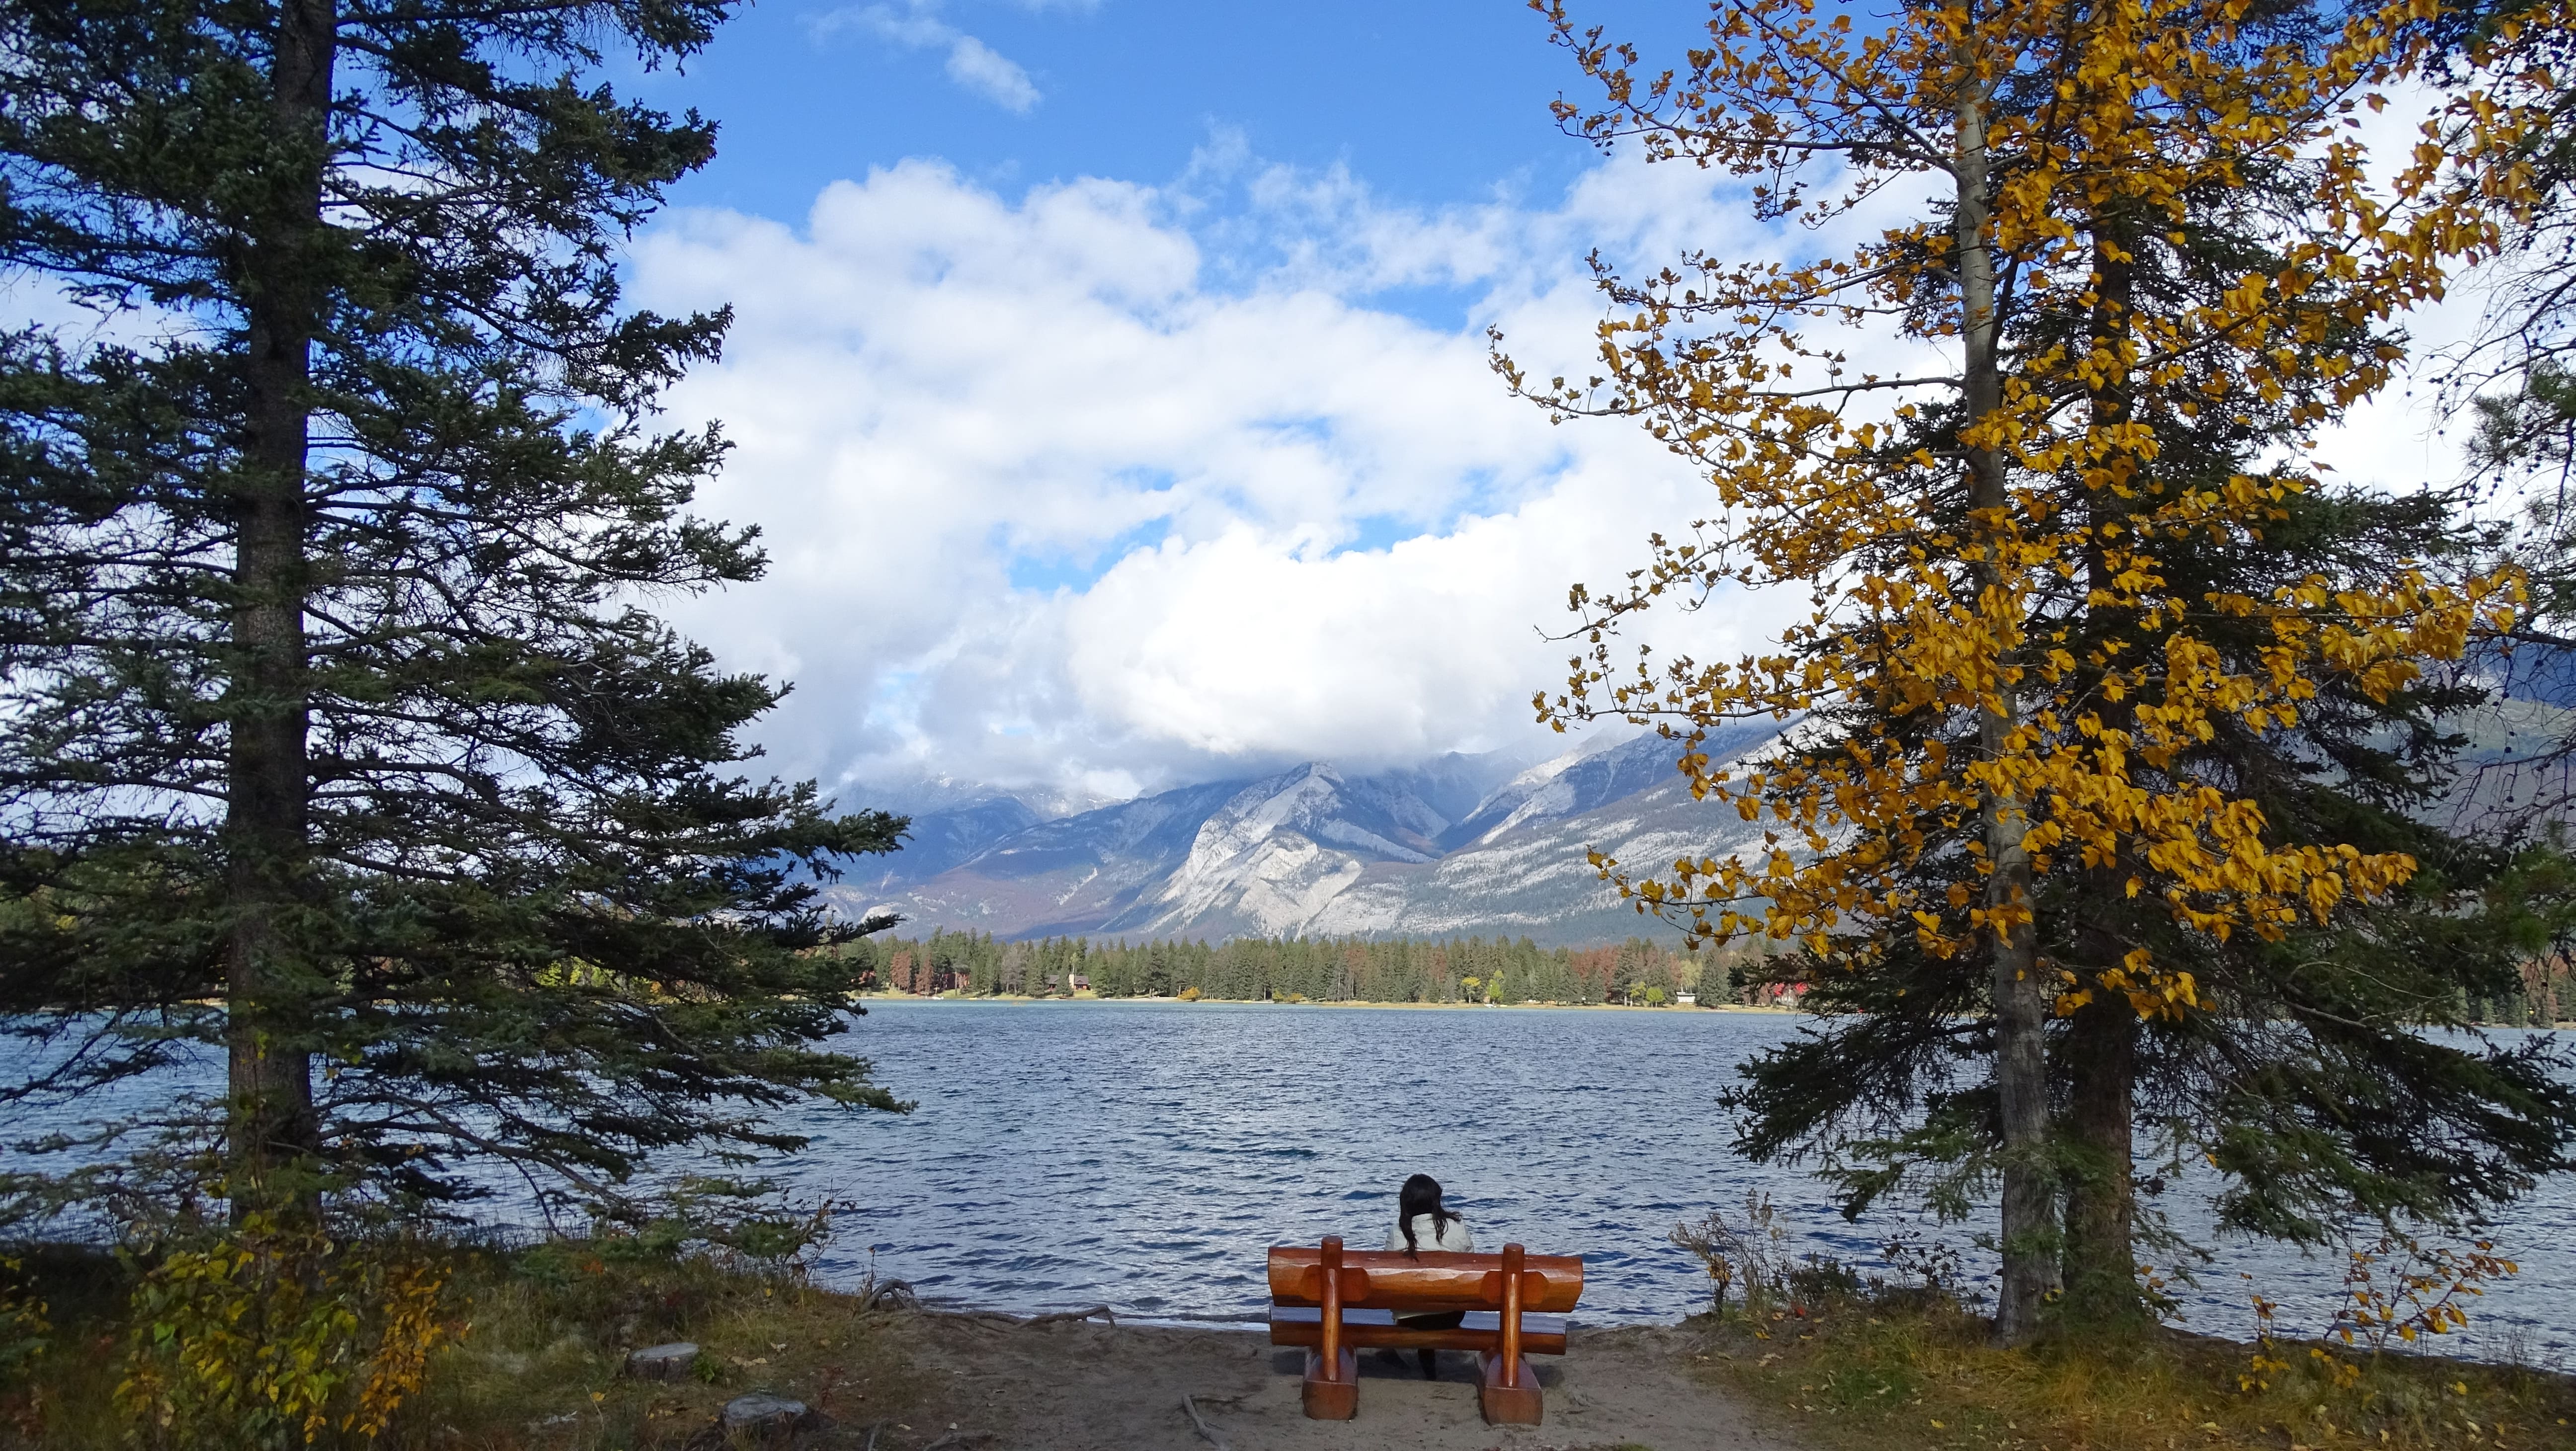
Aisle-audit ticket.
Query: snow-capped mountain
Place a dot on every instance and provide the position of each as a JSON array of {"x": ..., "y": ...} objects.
[
  {"x": 1589, "y": 777},
  {"x": 1459, "y": 845}
]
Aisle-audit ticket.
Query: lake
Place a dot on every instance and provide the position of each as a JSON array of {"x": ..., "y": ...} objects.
[{"x": 1144, "y": 1155}]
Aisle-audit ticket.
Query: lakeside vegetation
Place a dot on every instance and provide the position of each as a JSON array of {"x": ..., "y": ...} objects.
[
  {"x": 526, "y": 1349},
  {"x": 1313, "y": 969},
  {"x": 1639, "y": 972},
  {"x": 1852, "y": 1371},
  {"x": 1902, "y": 1355}
]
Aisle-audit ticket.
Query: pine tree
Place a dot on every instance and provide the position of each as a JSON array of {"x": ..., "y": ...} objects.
[
  {"x": 330, "y": 522},
  {"x": 2092, "y": 755}
]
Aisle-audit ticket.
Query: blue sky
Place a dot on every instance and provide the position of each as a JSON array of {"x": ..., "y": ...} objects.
[{"x": 1432, "y": 102}]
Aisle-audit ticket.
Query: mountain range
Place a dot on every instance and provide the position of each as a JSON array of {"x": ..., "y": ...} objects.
[{"x": 1462, "y": 845}]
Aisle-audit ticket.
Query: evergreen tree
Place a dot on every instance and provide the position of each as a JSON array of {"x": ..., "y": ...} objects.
[
  {"x": 326, "y": 532},
  {"x": 2116, "y": 733}
]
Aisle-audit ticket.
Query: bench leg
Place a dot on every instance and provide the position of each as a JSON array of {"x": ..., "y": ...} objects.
[
  {"x": 1333, "y": 1397},
  {"x": 1508, "y": 1405}
]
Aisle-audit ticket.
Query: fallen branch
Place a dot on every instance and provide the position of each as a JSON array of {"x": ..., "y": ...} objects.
[
  {"x": 1205, "y": 1431},
  {"x": 1048, "y": 1319},
  {"x": 892, "y": 1295},
  {"x": 960, "y": 1438},
  {"x": 874, "y": 1428}
]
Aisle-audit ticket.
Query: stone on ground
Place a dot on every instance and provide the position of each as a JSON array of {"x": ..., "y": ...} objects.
[
  {"x": 662, "y": 1362},
  {"x": 763, "y": 1412}
]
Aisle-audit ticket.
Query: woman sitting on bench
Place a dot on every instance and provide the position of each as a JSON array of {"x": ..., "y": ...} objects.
[{"x": 1421, "y": 1222}]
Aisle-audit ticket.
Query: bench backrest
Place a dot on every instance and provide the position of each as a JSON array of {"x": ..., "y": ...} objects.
[{"x": 1433, "y": 1282}]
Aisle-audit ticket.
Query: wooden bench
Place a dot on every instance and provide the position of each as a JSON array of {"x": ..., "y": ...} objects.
[{"x": 1335, "y": 1301}]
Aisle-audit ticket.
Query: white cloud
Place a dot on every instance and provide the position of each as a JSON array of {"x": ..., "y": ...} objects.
[
  {"x": 971, "y": 63},
  {"x": 1060, "y": 489},
  {"x": 1109, "y": 486},
  {"x": 981, "y": 69}
]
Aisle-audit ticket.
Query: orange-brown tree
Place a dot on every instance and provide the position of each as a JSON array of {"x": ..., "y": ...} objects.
[{"x": 2049, "y": 530}]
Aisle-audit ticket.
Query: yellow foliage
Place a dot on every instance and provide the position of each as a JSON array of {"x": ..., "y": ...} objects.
[
  {"x": 270, "y": 1336},
  {"x": 2155, "y": 102}
]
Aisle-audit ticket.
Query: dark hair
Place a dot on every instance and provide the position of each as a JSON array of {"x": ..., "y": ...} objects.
[{"x": 1421, "y": 1195}]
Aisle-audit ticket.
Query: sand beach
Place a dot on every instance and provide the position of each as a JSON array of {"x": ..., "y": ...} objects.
[{"x": 1088, "y": 1386}]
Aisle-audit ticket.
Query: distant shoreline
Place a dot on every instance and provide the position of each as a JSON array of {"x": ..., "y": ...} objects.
[
  {"x": 904, "y": 997},
  {"x": 1678, "y": 1008}
]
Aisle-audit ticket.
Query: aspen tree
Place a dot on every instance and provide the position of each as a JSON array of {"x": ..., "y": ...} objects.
[{"x": 1971, "y": 734}]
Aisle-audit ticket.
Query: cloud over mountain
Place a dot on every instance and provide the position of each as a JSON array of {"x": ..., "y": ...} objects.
[
  {"x": 1096, "y": 488},
  {"x": 1103, "y": 487},
  {"x": 1317, "y": 850}
]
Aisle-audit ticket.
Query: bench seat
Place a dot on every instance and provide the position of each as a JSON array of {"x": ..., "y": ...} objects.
[
  {"x": 1333, "y": 1302},
  {"x": 1377, "y": 1330}
]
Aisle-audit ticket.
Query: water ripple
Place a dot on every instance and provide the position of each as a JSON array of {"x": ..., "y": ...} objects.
[{"x": 1145, "y": 1155}]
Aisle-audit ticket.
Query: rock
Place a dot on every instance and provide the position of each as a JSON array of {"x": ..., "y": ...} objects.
[
  {"x": 662, "y": 1362},
  {"x": 771, "y": 1418}
]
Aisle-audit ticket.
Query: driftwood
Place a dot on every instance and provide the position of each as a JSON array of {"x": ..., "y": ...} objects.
[
  {"x": 997, "y": 1317},
  {"x": 890, "y": 1295},
  {"x": 1206, "y": 1432},
  {"x": 1048, "y": 1319}
]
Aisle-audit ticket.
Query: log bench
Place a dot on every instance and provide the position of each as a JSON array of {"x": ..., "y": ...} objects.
[{"x": 1334, "y": 1302}]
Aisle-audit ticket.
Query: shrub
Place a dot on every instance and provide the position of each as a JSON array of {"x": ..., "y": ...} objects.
[
  {"x": 1753, "y": 1253},
  {"x": 267, "y": 1336}
]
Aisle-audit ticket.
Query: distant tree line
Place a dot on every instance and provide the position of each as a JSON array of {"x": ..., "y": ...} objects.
[
  {"x": 2548, "y": 996},
  {"x": 1428, "y": 970},
  {"x": 1319, "y": 969}
]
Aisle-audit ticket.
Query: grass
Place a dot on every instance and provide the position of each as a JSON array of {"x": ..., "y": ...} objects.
[
  {"x": 539, "y": 1362},
  {"x": 545, "y": 1332},
  {"x": 1898, "y": 1370}
]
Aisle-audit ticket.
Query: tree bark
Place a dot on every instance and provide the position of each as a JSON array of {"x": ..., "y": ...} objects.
[
  {"x": 2028, "y": 1237},
  {"x": 272, "y": 1137},
  {"x": 2101, "y": 1197},
  {"x": 2100, "y": 1262}
]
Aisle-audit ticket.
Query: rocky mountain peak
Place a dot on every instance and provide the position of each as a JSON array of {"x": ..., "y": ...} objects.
[{"x": 1314, "y": 849}]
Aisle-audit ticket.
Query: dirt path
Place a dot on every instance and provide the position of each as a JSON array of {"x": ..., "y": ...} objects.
[{"x": 1081, "y": 1386}]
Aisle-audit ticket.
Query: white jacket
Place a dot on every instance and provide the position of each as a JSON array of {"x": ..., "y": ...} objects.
[{"x": 1455, "y": 1239}]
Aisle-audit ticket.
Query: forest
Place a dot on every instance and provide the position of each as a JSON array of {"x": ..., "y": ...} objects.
[
  {"x": 1466, "y": 970},
  {"x": 1313, "y": 969}
]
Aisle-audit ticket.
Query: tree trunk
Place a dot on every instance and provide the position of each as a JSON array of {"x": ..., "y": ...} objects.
[
  {"x": 2021, "y": 1065},
  {"x": 2100, "y": 1263},
  {"x": 2101, "y": 1197},
  {"x": 272, "y": 1137}
]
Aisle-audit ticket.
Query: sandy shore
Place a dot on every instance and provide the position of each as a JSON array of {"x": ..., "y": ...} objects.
[{"x": 1078, "y": 1386}]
